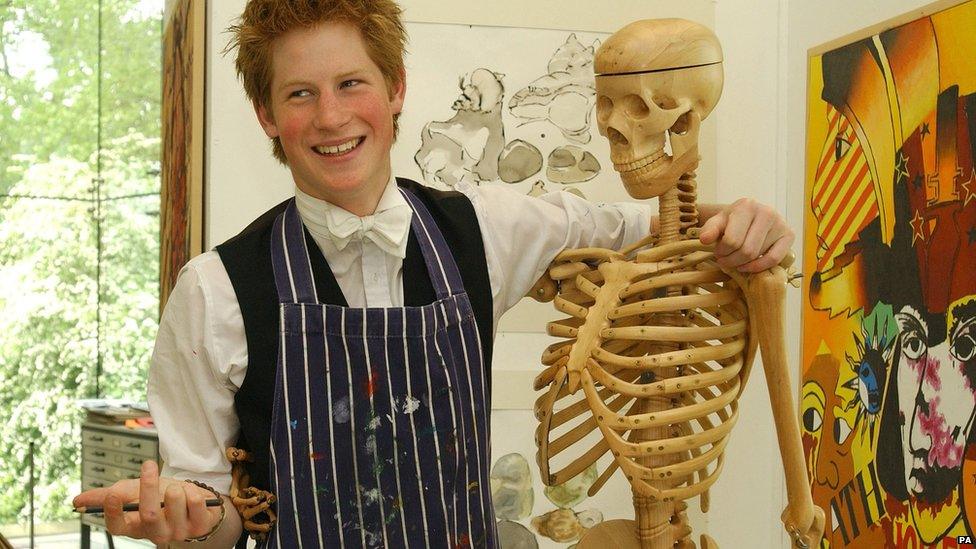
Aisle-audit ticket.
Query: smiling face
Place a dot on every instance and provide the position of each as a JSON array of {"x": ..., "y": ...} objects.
[{"x": 333, "y": 112}]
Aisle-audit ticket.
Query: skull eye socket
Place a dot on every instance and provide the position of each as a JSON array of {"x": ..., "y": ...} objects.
[
  {"x": 634, "y": 106},
  {"x": 666, "y": 103},
  {"x": 682, "y": 125},
  {"x": 604, "y": 106}
]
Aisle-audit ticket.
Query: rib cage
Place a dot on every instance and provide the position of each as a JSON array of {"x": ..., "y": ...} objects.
[{"x": 661, "y": 323}]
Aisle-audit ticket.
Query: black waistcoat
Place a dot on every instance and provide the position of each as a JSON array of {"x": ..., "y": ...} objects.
[{"x": 247, "y": 258}]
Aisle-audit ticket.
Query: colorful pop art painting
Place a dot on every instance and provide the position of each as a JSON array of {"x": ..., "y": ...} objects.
[{"x": 889, "y": 309}]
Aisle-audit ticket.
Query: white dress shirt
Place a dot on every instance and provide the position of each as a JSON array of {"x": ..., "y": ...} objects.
[{"x": 200, "y": 357}]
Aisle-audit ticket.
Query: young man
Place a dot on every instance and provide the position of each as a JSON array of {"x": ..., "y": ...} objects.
[{"x": 344, "y": 337}]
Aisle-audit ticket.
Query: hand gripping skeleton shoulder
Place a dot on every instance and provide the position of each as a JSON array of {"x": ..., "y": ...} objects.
[{"x": 659, "y": 337}]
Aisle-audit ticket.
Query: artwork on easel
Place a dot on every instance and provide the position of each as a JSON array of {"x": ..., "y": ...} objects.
[
  {"x": 181, "y": 200},
  {"x": 889, "y": 308}
]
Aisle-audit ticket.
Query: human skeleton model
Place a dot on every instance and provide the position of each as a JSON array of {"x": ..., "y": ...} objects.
[{"x": 660, "y": 338}]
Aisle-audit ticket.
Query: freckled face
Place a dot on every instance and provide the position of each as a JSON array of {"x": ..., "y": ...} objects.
[
  {"x": 333, "y": 113},
  {"x": 937, "y": 397}
]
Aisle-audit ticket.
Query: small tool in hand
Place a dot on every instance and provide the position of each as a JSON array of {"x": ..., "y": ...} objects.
[{"x": 214, "y": 502}]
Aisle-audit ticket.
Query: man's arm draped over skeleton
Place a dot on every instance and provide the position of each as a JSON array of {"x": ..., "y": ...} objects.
[{"x": 660, "y": 336}]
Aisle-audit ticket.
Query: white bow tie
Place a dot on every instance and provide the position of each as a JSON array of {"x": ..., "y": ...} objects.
[{"x": 388, "y": 229}]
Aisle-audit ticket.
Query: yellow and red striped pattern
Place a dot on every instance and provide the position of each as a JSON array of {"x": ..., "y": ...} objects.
[{"x": 843, "y": 199}]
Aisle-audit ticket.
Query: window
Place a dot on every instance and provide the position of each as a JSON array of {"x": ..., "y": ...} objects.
[{"x": 79, "y": 230}]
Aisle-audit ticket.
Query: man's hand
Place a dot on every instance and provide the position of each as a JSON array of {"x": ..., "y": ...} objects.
[
  {"x": 748, "y": 236},
  {"x": 184, "y": 516}
]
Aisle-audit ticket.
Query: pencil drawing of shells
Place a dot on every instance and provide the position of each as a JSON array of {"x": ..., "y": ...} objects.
[
  {"x": 565, "y": 95},
  {"x": 466, "y": 146}
]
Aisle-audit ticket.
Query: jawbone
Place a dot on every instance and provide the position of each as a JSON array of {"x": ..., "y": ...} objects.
[{"x": 657, "y": 172}]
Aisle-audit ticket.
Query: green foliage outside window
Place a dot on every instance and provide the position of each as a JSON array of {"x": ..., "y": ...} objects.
[{"x": 79, "y": 228}]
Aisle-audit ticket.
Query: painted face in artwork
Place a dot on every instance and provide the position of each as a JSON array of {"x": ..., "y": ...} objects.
[
  {"x": 936, "y": 400},
  {"x": 828, "y": 431},
  {"x": 821, "y": 377},
  {"x": 843, "y": 199},
  {"x": 835, "y": 460},
  {"x": 937, "y": 396},
  {"x": 813, "y": 402},
  {"x": 333, "y": 112}
]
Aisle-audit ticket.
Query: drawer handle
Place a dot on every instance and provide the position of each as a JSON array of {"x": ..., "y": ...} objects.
[
  {"x": 135, "y": 461},
  {"x": 98, "y": 469},
  {"x": 95, "y": 438},
  {"x": 98, "y": 484},
  {"x": 134, "y": 445},
  {"x": 98, "y": 454}
]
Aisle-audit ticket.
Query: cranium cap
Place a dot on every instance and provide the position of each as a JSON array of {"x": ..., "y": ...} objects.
[{"x": 652, "y": 45}]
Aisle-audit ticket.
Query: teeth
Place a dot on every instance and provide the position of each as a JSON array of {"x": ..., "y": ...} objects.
[
  {"x": 339, "y": 149},
  {"x": 640, "y": 163}
]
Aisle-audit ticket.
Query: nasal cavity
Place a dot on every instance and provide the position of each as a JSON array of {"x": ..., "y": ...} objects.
[{"x": 616, "y": 138}]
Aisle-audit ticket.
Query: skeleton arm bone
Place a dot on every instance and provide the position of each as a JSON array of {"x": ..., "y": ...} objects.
[{"x": 766, "y": 294}]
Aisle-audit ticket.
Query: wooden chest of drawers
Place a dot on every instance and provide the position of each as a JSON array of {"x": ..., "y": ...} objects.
[{"x": 110, "y": 453}]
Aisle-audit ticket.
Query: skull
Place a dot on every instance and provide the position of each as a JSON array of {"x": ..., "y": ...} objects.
[{"x": 655, "y": 79}]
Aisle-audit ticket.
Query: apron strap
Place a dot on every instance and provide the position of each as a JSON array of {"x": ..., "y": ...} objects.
[
  {"x": 290, "y": 259},
  {"x": 293, "y": 268},
  {"x": 441, "y": 267}
]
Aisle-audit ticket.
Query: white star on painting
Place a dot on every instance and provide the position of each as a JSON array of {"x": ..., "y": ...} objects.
[
  {"x": 918, "y": 227},
  {"x": 901, "y": 167},
  {"x": 968, "y": 193}
]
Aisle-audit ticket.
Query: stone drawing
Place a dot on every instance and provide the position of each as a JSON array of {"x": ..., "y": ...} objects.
[
  {"x": 565, "y": 96},
  {"x": 571, "y": 164},
  {"x": 565, "y": 525},
  {"x": 511, "y": 487},
  {"x": 573, "y": 491},
  {"x": 577, "y": 192},
  {"x": 512, "y": 535},
  {"x": 466, "y": 147},
  {"x": 518, "y": 161},
  {"x": 538, "y": 188}
]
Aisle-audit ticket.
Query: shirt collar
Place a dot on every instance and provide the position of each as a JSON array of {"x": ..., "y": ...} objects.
[{"x": 388, "y": 227}]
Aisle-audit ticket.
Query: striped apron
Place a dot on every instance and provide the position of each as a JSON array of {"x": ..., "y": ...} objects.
[{"x": 379, "y": 435}]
